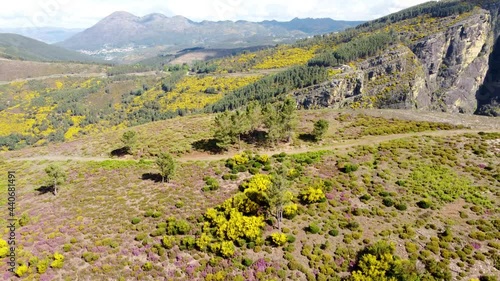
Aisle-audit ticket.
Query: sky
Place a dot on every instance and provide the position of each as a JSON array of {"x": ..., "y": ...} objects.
[{"x": 85, "y": 13}]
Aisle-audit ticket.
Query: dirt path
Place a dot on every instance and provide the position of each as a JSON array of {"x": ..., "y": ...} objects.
[
  {"x": 206, "y": 157},
  {"x": 79, "y": 75}
]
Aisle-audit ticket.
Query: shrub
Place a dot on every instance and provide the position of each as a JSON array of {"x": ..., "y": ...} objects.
[
  {"x": 187, "y": 243},
  {"x": 424, "y": 204},
  {"x": 212, "y": 184},
  {"x": 487, "y": 278},
  {"x": 349, "y": 167},
  {"x": 149, "y": 213},
  {"x": 254, "y": 171},
  {"x": 401, "y": 206},
  {"x": 175, "y": 227},
  {"x": 227, "y": 249},
  {"x": 148, "y": 266},
  {"x": 90, "y": 257},
  {"x": 21, "y": 270},
  {"x": 290, "y": 238},
  {"x": 388, "y": 202},
  {"x": 279, "y": 239},
  {"x": 290, "y": 211},
  {"x": 4, "y": 248},
  {"x": 334, "y": 232},
  {"x": 24, "y": 220},
  {"x": 312, "y": 195},
  {"x": 246, "y": 262},
  {"x": 135, "y": 220},
  {"x": 67, "y": 247},
  {"x": 365, "y": 198},
  {"x": 42, "y": 266},
  {"x": 168, "y": 242},
  {"x": 58, "y": 261},
  {"x": 56, "y": 264},
  {"x": 313, "y": 228},
  {"x": 241, "y": 159},
  {"x": 203, "y": 241}
]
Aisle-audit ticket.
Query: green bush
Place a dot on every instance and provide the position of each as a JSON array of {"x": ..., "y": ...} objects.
[
  {"x": 388, "y": 202},
  {"x": 135, "y": 220},
  {"x": 212, "y": 184},
  {"x": 246, "y": 262},
  {"x": 365, "y": 198},
  {"x": 90, "y": 257},
  {"x": 67, "y": 247},
  {"x": 334, "y": 232},
  {"x": 349, "y": 168},
  {"x": 148, "y": 266},
  {"x": 313, "y": 228},
  {"x": 424, "y": 204},
  {"x": 401, "y": 206}
]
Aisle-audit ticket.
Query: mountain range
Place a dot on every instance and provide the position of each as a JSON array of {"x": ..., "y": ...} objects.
[{"x": 122, "y": 29}]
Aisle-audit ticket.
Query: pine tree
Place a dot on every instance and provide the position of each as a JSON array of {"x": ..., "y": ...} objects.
[
  {"x": 224, "y": 135},
  {"x": 320, "y": 129},
  {"x": 279, "y": 196},
  {"x": 129, "y": 139},
  {"x": 253, "y": 114},
  {"x": 289, "y": 119},
  {"x": 56, "y": 175},
  {"x": 272, "y": 123},
  {"x": 166, "y": 164}
]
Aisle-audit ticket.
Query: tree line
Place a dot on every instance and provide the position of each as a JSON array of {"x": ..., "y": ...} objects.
[{"x": 359, "y": 48}]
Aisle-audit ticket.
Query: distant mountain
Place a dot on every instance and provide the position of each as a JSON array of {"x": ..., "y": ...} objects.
[
  {"x": 313, "y": 26},
  {"x": 48, "y": 35},
  {"x": 122, "y": 29},
  {"x": 18, "y": 47}
]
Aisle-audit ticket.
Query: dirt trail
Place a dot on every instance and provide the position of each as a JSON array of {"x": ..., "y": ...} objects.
[
  {"x": 206, "y": 157},
  {"x": 54, "y": 76}
]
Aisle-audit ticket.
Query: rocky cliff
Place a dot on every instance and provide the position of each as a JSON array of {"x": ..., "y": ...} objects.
[{"x": 454, "y": 69}]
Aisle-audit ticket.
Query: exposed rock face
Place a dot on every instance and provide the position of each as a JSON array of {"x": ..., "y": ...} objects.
[
  {"x": 335, "y": 93},
  {"x": 444, "y": 71}
]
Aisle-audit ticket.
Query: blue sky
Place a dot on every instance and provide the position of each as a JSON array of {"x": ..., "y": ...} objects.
[{"x": 83, "y": 14}]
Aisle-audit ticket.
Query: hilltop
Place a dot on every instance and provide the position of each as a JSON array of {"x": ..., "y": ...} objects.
[{"x": 18, "y": 47}]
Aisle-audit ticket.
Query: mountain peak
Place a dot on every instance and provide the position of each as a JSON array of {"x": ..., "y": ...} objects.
[{"x": 121, "y": 15}]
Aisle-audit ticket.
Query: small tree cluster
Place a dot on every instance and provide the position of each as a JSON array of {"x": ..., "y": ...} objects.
[{"x": 280, "y": 121}]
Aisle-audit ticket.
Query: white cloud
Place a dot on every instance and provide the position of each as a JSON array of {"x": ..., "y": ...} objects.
[{"x": 79, "y": 13}]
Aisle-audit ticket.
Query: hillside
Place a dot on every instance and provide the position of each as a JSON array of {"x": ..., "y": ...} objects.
[
  {"x": 48, "y": 35},
  {"x": 13, "y": 46},
  {"x": 433, "y": 57},
  {"x": 124, "y": 32},
  {"x": 426, "y": 200}
]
